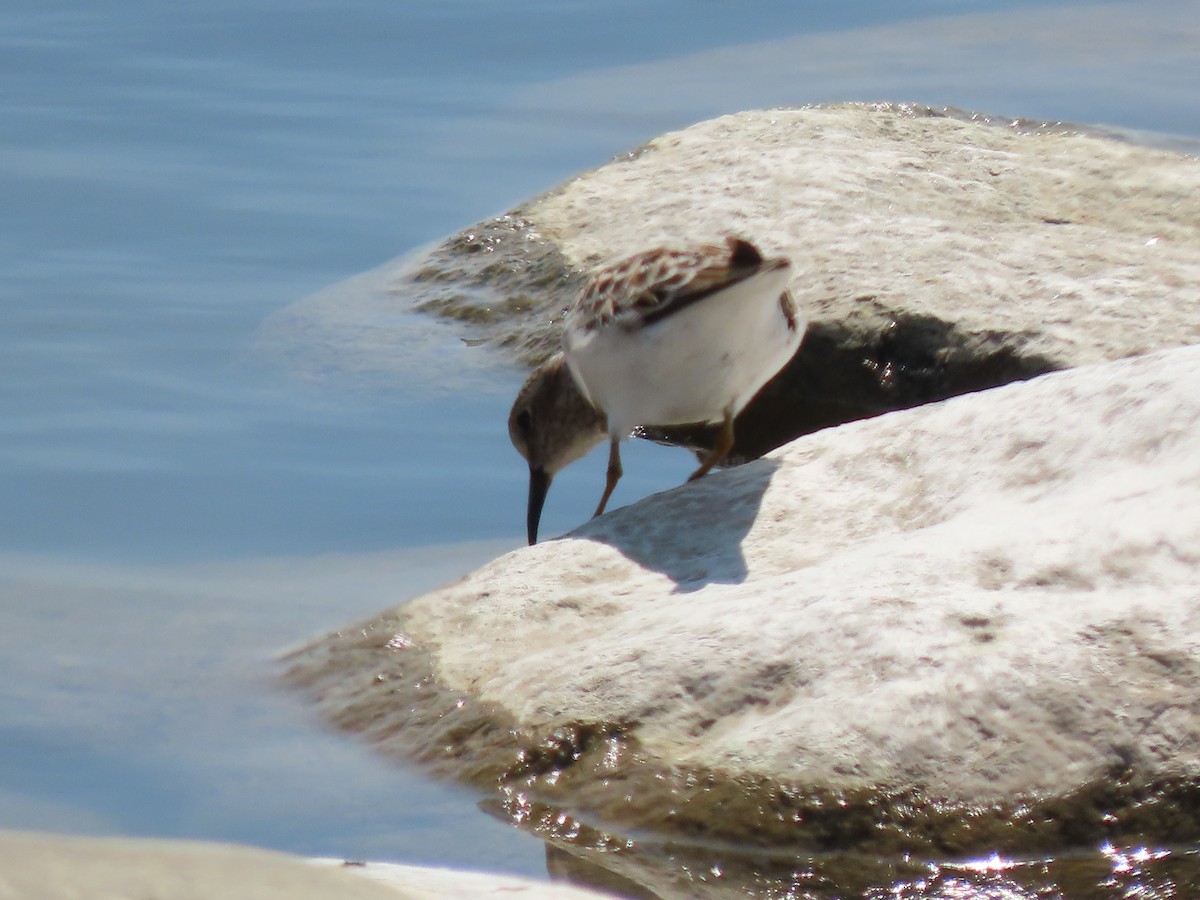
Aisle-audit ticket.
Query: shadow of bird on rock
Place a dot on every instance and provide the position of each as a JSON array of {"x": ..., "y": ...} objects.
[{"x": 692, "y": 534}]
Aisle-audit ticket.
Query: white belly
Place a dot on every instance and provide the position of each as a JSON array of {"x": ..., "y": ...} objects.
[{"x": 691, "y": 366}]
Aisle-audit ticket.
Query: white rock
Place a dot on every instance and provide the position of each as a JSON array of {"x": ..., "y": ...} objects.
[
  {"x": 1069, "y": 239},
  {"x": 60, "y": 867},
  {"x": 1061, "y": 246},
  {"x": 980, "y": 598},
  {"x": 455, "y": 884},
  {"x": 990, "y": 598}
]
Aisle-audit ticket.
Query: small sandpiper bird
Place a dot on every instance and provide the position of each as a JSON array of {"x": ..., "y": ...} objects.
[{"x": 664, "y": 337}]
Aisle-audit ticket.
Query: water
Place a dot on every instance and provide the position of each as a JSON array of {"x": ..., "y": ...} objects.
[{"x": 178, "y": 507}]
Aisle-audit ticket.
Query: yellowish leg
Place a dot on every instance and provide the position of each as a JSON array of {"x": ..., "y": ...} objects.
[
  {"x": 722, "y": 447},
  {"x": 613, "y": 475}
]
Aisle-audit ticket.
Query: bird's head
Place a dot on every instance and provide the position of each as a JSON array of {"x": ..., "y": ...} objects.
[{"x": 551, "y": 424}]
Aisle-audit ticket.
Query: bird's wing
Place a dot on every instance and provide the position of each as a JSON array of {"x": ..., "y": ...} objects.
[{"x": 652, "y": 285}]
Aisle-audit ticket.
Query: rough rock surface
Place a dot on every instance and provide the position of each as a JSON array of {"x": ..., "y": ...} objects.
[
  {"x": 937, "y": 252},
  {"x": 1052, "y": 238},
  {"x": 986, "y": 600}
]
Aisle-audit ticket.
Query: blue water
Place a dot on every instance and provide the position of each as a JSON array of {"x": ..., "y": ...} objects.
[{"x": 177, "y": 507}]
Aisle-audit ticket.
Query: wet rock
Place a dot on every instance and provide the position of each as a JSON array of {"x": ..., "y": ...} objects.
[{"x": 970, "y": 624}]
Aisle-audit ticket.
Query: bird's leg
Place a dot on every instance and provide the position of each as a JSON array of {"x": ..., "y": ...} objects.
[
  {"x": 613, "y": 475},
  {"x": 720, "y": 449}
]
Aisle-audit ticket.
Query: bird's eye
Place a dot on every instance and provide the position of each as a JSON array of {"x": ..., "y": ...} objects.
[{"x": 524, "y": 422}]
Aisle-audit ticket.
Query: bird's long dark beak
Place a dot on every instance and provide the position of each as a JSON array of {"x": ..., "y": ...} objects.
[{"x": 539, "y": 486}]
